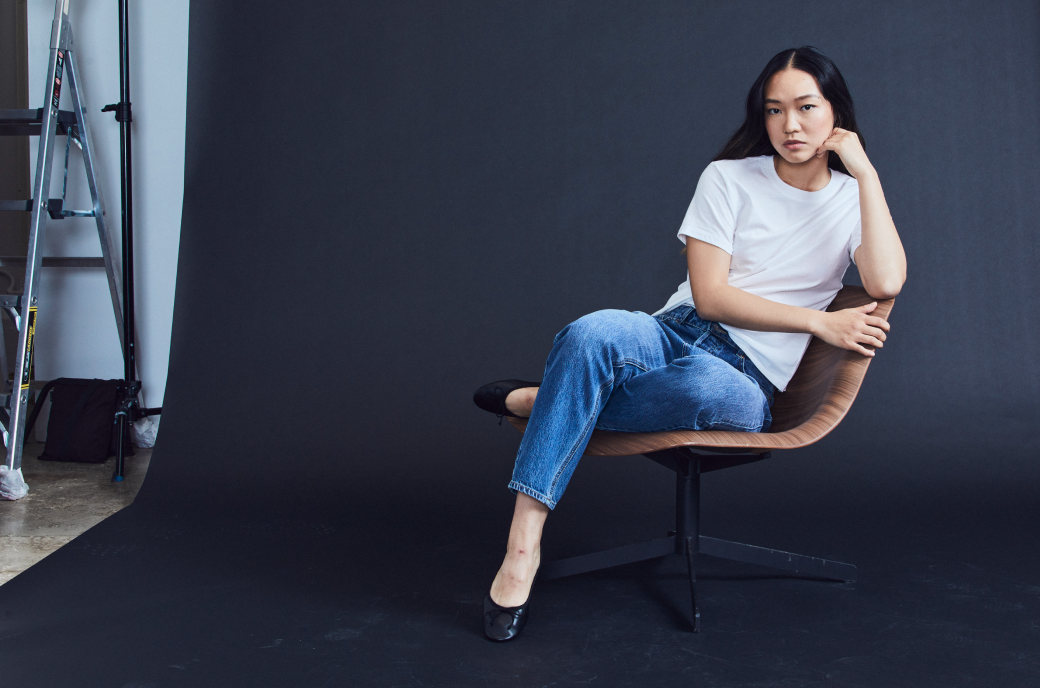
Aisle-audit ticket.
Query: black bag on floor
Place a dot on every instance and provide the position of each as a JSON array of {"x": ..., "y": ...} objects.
[{"x": 82, "y": 423}]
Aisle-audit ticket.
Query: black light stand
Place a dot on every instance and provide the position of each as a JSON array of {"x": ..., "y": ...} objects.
[{"x": 127, "y": 408}]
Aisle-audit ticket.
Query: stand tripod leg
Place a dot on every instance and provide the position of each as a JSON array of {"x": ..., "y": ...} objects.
[
  {"x": 117, "y": 476},
  {"x": 124, "y": 416}
]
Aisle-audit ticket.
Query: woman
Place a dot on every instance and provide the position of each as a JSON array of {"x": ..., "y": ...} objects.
[{"x": 774, "y": 222}]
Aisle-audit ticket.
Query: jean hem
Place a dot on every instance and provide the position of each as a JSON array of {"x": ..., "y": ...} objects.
[{"x": 515, "y": 487}]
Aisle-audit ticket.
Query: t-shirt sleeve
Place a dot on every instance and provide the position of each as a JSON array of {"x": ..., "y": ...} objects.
[
  {"x": 855, "y": 240},
  {"x": 710, "y": 216}
]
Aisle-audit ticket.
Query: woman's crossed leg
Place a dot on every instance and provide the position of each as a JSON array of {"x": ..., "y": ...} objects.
[{"x": 611, "y": 370}]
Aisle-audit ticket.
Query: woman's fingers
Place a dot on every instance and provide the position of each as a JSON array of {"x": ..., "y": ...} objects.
[
  {"x": 875, "y": 321},
  {"x": 845, "y": 143},
  {"x": 876, "y": 333},
  {"x": 871, "y": 341},
  {"x": 831, "y": 143},
  {"x": 863, "y": 350},
  {"x": 853, "y": 329}
]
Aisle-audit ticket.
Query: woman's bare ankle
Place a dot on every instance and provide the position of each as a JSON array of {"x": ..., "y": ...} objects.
[
  {"x": 512, "y": 584},
  {"x": 521, "y": 401}
]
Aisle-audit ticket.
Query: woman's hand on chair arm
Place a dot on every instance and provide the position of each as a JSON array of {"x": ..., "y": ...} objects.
[
  {"x": 853, "y": 328},
  {"x": 716, "y": 300}
]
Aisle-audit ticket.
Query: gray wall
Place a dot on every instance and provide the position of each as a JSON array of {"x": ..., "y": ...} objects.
[{"x": 76, "y": 332}]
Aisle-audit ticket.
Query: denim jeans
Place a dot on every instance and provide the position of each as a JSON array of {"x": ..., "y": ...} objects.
[{"x": 632, "y": 372}]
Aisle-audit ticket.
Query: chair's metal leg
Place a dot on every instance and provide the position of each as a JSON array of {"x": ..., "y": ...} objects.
[
  {"x": 607, "y": 559},
  {"x": 687, "y": 540},
  {"x": 687, "y": 521},
  {"x": 691, "y": 563},
  {"x": 778, "y": 559}
]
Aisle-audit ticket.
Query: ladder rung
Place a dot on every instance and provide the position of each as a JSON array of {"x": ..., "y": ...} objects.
[
  {"x": 98, "y": 262},
  {"x": 55, "y": 262},
  {"x": 55, "y": 208},
  {"x": 36, "y": 386},
  {"x": 29, "y": 122}
]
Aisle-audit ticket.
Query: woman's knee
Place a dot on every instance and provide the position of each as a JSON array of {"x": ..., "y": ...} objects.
[
  {"x": 603, "y": 327},
  {"x": 726, "y": 398},
  {"x": 741, "y": 406}
]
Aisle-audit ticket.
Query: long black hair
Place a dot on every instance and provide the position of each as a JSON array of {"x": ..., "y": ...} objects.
[{"x": 752, "y": 139}]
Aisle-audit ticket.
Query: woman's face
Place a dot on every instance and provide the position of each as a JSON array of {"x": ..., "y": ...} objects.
[{"x": 798, "y": 118}]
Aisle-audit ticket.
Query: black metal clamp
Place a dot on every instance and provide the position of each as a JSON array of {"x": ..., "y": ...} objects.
[{"x": 122, "y": 110}]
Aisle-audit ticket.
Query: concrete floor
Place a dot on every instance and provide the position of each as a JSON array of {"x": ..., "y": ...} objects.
[{"x": 64, "y": 500}]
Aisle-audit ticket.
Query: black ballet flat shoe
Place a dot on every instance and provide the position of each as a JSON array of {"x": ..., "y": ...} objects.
[
  {"x": 504, "y": 623},
  {"x": 492, "y": 397}
]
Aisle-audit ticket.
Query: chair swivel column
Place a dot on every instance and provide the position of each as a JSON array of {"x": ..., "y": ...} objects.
[{"x": 687, "y": 522}]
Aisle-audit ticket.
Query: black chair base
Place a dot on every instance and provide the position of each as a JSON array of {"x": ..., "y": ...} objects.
[{"x": 687, "y": 540}]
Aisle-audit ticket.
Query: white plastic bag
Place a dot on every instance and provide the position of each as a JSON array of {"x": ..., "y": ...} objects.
[
  {"x": 12, "y": 485},
  {"x": 143, "y": 432}
]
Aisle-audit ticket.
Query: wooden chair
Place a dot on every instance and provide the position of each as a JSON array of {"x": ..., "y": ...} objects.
[{"x": 817, "y": 398}]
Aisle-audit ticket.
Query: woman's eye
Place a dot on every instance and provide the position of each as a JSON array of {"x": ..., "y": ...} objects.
[
  {"x": 808, "y": 105},
  {"x": 772, "y": 111}
]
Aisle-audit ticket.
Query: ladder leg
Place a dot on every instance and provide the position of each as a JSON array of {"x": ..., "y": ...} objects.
[
  {"x": 108, "y": 248},
  {"x": 19, "y": 398},
  {"x": 4, "y": 366}
]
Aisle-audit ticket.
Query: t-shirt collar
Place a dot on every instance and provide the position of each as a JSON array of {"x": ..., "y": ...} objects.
[{"x": 795, "y": 192}]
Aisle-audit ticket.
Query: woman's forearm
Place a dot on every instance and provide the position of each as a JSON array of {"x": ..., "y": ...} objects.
[
  {"x": 715, "y": 299},
  {"x": 734, "y": 306},
  {"x": 880, "y": 259}
]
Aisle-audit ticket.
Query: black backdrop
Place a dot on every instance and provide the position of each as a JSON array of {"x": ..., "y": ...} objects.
[{"x": 389, "y": 204}]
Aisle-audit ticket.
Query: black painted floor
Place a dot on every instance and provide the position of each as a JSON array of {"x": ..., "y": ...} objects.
[{"x": 346, "y": 590}]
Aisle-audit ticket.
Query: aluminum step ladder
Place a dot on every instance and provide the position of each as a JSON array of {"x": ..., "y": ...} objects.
[{"x": 49, "y": 123}]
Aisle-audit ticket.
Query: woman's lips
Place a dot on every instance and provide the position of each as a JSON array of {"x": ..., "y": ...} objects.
[{"x": 792, "y": 145}]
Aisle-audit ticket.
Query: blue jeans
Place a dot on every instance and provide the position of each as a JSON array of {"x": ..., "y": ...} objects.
[{"x": 632, "y": 372}]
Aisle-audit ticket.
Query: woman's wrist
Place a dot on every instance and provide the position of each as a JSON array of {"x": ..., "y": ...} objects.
[
  {"x": 815, "y": 321},
  {"x": 865, "y": 174}
]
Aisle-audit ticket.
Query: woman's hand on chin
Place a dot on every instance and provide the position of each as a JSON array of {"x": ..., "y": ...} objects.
[
  {"x": 853, "y": 329},
  {"x": 848, "y": 147}
]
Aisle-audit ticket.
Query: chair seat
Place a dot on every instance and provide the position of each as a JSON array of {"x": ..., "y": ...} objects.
[
  {"x": 607, "y": 443},
  {"x": 817, "y": 398}
]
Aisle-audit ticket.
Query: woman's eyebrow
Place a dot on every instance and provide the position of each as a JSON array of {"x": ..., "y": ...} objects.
[{"x": 807, "y": 95}]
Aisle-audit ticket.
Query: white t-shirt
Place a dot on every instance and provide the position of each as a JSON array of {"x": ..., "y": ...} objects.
[{"x": 787, "y": 245}]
